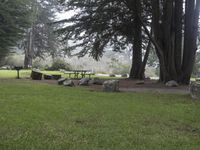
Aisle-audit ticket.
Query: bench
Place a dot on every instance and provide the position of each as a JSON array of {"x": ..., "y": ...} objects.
[{"x": 76, "y": 73}]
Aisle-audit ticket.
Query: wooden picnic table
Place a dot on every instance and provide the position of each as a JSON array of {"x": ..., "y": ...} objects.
[{"x": 76, "y": 73}]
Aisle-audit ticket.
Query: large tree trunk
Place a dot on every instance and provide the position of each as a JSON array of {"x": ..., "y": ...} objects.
[
  {"x": 190, "y": 41},
  {"x": 158, "y": 36},
  {"x": 178, "y": 35},
  {"x": 29, "y": 51},
  {"x": 137, "y": 42},
  {"x": 168, "y": 39},
  {"x": 143, "y": 65}
]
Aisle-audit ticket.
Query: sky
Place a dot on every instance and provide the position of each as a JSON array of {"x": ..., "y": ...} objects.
[{"x": 65, "y": 15}]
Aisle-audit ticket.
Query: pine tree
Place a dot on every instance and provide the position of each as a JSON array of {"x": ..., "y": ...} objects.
[{"x": 14, "y": 19}]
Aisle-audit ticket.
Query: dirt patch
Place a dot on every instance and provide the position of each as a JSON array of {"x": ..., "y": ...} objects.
[{"x": 127, "y": 85}]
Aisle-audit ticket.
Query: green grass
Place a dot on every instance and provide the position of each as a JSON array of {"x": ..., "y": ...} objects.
[
  {"x": 23, "y": 73},
  {"x": 36, "y": 116},
  {"x": 27, "y": 73}
]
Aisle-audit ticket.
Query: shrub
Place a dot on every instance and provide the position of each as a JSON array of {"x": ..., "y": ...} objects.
[{"x": 59, "y": 64}]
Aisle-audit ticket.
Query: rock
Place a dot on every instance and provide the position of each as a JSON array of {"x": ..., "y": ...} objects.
[
  {"x": 139, "y": 82},
  {"x": 36, "y": 74},
  {"x": 84, "y": 81},
  {"x": 97, "y": 81},
  {"x": 56, "y": 76},
  {"x": 68, "y": 83},
  {"x": 47, "y": 77},
  {"x": 124, "y": 75},
  {"x": 61, "y": 81},
  {"x": 195, "y": 90},
  {"x": 111, "y": 86},
  {"x": 171, "y": 83}
]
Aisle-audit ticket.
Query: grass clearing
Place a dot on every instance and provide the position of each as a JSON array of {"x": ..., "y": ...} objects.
[
  {"x": 41, "y": 116},
  {"x": 26, "y": 74}
]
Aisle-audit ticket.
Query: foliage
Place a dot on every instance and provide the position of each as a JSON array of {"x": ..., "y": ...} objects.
[
  {"x": 59, "y": 64},
  {"x": 74, "y": 118},
  {"x": 40, "y": 38},
  {"x": 118, "y": 67},
  {"x": 97, "y": 25},
  {"x": 13, "y": 60}
]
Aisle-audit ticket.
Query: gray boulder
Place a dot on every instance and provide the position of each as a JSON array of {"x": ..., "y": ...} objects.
[
  {"x": 124, "y": 75},
  {"x": 195, "y": 90},
  {"x": 111, "y": 86},
  {"x": 97, "y": 81},
  {"x": 61, "y": 81},
  {"x": 84, "y": 81},
  {"x": 171, "y": 83},
  {"x": 68, "y": 83}
]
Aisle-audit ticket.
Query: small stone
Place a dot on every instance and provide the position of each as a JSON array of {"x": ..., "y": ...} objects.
[
  {"x": 56, "y": 76},
  {"x": 172, "y": 83},
  {"x": 47, "y": 77},
  {"x": 111, "y": 86},
  {"x": 124, "y": 75},
  {"x": 97, "y": 81},
  {"x": 68, "y": 83},
  {"x": 61, "y": 81},
  {"x": 84, "y": 81}
]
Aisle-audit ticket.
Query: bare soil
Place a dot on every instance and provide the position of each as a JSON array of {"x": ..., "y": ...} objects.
[{"x": 127, "y": 85}]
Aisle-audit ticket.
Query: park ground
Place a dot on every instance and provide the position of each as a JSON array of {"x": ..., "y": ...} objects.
[{"x": 39, "y": 115}]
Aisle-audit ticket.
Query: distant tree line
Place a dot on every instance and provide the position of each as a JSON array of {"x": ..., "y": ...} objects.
[{"x": 28, "y": 25}]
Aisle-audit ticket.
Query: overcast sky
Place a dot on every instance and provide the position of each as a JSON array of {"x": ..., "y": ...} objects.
[{"x": 65, "y": 15}]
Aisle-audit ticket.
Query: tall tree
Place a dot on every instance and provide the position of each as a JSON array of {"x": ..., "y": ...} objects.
[
  {"x": 40, "y": 38},
  {"x": 14, "y": 20},
  {"x": 105, "y": 23},
  {"x": 192, "y": 8},
  {"x": 118, "y": 23}
]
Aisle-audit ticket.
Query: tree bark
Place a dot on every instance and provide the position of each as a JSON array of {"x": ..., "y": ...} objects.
[
  {"x": 178, "y": 35},
  {"x": 28, "y": 51},
  {"x": 143, "y": 65},
  {"x": 190, "y": 41},
  {"x": 137, "y": 42}
]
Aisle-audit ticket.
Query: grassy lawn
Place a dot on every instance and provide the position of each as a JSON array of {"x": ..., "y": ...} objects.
[
  {"x": 36, "y": 116},
  {"x": 23, "y": 73},
  {"x": 27, "y": 73}
]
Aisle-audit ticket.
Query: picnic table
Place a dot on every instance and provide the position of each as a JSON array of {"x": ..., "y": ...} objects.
[{"x": 76, "y": 73}]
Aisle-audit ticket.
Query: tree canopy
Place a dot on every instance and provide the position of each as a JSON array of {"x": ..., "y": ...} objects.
[
  {"x": 14, "y": 19},
  {"x": 99, "y": 24}
]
